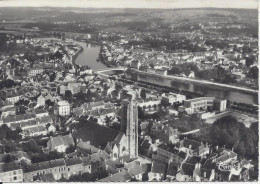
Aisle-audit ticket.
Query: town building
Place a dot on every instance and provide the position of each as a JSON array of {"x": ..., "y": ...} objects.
[
  {"x": 165, "y": 133},
  {"x": 35, "y": 71},
  {"x": 63, "y": 108},
  {"x": 60, "y": 143},
  {"x": 172, "y": 98},
  {"x": 157, "y": 171},
  {"x": 167, "y": 153},
  {"x": 11, "y": 172},
  {"x": 192, "y": 106}
]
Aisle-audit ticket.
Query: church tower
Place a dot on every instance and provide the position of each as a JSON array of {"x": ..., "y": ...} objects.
[{"x": 129, "y": 125}]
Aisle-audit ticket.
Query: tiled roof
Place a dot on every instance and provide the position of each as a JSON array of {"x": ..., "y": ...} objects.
[
  {"x": 158, "y": 167},
  {"x": 40, "y": 111},
  {"x": 44, "y": 120},
  {"x": 118, "y": 177},
  {"x": 193, "y": 160},
  {"x": 88, "y": 147},
  {"x": 9, "y": 109},
  {"x": 11, "y": 166},
  {"x": 86, "y": 161},
  {"x": 188, "y": 169},
  {"x": 73, "y": 161},
  {"x": 44, "y": 165},
  {"x": 172, "y": 169},
  {"x": 20, "y": 154},
  {"x": 134, "y": 168},
  {"x": 62, "y": 140},
  {"x": 36, "y": 129},
  {"x": 97, "y": 135},
  {"x": 187, "y": 142},
  {"x": 169, "y": 147},
  {"x": 18, "y": 118},
  {"x": 182, "y": 154},
  {"x": 99, "y": 156}
]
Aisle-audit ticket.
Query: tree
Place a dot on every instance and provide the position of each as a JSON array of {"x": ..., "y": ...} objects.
[
  {"x": 107, "y": 120},
  {"x": 9, "y": 158},
  {"x": 154, "y": 106},
  {"x": 141, "y": 114},
  {"x": 8, "y": 134},
  {"x": 49, "y": 103},
  {"x": 52, "y": 77},
  {"x": 68, "y": 95},
  {"x": 253, "y": 72},
  {"x": 31, "y": 146},
  {"x": 250, "y": 61},
  {"x": 228, "y": 131},
  {"x": 70, "y": 149},
  {"x": 143, "y": 93}
]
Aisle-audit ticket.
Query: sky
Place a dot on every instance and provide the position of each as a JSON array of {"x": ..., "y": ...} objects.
[{"x": 160, "y": 4}]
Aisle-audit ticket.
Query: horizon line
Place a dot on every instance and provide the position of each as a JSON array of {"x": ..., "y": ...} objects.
[{"x": 247, "y": 8}]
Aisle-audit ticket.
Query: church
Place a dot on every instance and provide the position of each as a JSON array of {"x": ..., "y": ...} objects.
[{"x": 116, "y": 143}]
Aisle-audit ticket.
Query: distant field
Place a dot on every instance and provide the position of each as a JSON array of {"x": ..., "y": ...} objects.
[{"x": 118, "y": 29}]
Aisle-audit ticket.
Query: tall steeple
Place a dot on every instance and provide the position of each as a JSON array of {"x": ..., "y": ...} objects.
[{"x": 129, "y": 125}]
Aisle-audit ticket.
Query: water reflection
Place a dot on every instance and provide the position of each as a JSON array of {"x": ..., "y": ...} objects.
[{"x": 207, "y": 90}]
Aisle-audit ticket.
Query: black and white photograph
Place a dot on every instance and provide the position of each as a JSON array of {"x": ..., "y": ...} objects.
[{"x": 129, "y": 91}]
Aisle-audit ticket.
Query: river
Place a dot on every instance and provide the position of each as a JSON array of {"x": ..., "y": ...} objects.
[
  {"x": 90, "y": 54},
  {"x": 206, "y": 89}
]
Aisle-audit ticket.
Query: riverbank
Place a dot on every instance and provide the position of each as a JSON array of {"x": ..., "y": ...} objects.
[
  {"x": 197, "y": 80},
  {"x": 74, "y": 57}
]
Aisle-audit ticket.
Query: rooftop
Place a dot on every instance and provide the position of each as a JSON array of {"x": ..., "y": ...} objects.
[{"x": 96, "y": 134}]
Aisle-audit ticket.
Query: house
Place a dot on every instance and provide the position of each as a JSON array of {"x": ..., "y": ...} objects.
[
  {"x": 35, "y": 131},
  {"x": 41, "y": 113},
  {"x": 98, "y": 161},
  {"x": 63, "y": 108},
  {"x": 135, "y": 170},
  {"x": 167, "y": 153},
  {"x": 19, "y": 120},
  {"x": 8, "y": 111},
  {"x": 13, "y": 96},
  {"x": 11, "y": 172},
  {"x": 171, "y": 98},
  {"x": 51, "y": 128},
  {"x": 86, "y": 148},
  {"x": 40, "y": 101},
  {"x": 60, "y": 143},
  {"x": 35, "y": 71},
  {"x": 165, "y": 133},
  {"x": 58, "y": 168},
  {"x": 185, "y": 173},
  {"x": 172, "y": 171},
  {"x": 123, "y": 176},
  {"x": 21, "y": 156},
  {"x": 192, "y": 147},
  {"x": 157, "y": 171},
  {"x": 73, "y": 167},
  {"x": 192, "y": 106}
]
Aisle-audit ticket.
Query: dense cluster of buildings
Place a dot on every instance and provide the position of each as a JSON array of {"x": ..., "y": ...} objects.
[{"x": 54, "y": 97}]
